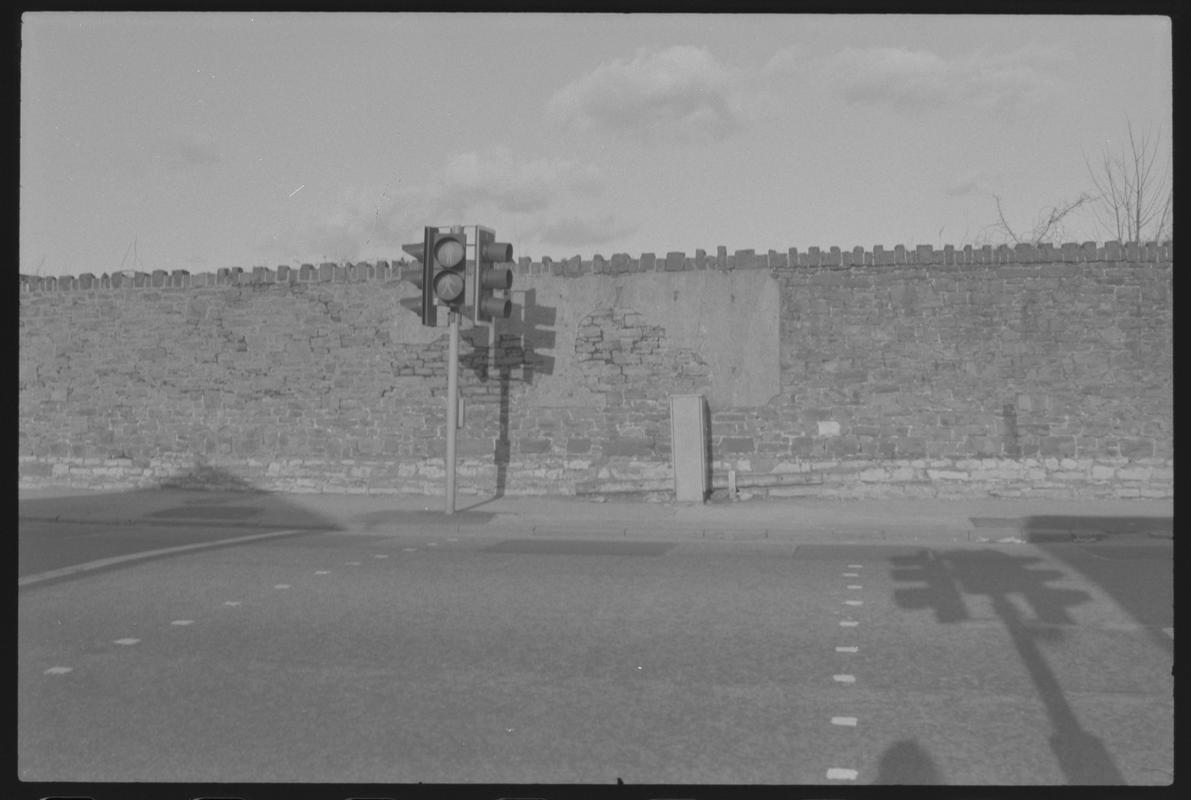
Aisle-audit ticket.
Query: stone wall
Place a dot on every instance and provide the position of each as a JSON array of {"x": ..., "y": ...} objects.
[{"x": 1032, "y": 371}]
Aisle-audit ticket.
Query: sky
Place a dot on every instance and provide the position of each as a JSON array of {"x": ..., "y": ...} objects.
[{"x": 205, "y": 140}]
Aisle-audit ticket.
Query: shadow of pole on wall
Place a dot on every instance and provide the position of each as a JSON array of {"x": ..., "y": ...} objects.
[{"x": 516, "y": 344}]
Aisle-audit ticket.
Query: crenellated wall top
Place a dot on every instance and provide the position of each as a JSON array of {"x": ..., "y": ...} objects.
[{"x": 674, "y": 261}]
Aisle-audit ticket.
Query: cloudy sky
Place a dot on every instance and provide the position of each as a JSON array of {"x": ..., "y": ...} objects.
[{"x": 204, "y": 140}]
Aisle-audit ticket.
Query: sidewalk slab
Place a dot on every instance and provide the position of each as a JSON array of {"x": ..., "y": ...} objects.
[{"x": 977, "y": 519}]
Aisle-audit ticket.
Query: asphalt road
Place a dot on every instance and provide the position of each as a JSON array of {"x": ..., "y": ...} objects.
[{"x": 381, "y": 658}]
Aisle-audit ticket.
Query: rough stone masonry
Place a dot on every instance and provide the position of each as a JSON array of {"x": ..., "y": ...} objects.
[{"x": 1034, "y": 371}]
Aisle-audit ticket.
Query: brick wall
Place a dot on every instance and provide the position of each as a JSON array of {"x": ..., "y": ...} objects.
[{"x": 1031, "y": 371}]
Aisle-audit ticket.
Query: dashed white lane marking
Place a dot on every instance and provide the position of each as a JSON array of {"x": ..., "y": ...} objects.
[
  {"x": 182, "y": 622},
  {"x": 322, "y": 572},
  {"x": 107, "y": 562},
  {"x": 841, "y": 774},
  {"x": 848, "y": 623},
  {"x": 58, "y": 670},
  {"x": 844, "y": 678},
  {"x": 128, "y": 641},
  {"x": 281, "y": 586},
  {"x": 846, "y": 721},
  {"x": 849, "y": 574},
  {"x": 847, "y": 649},
  {"x": 380, "y": 555},
  {"x": 855, "y": 586},
  {"x": 855, "y": 566},
  {"x": 408, "y": 549},
  {"x": 853, "y": 602},
  {"x": 231, "y": 602},
  {"x": 432, "y": 544}
]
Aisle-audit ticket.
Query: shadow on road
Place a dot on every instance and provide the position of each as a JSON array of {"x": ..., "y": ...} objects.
[
  {"x": 1094, "y": 546},
  {"x": 61, "y": 535},
  {"x": 945, "y": 579},
  {"x": 200, "y": 495},
  {"x": 905, "y": 762},
  {"x": 1065, "y": 527}
]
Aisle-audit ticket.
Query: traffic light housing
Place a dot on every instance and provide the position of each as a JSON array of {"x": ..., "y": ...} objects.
[
  {"x": 442, "y": 280},
  {"x": 489, "y": 278}
]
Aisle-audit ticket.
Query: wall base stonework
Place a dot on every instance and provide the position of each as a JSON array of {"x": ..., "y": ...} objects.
[{"x": 945, "y": 478}]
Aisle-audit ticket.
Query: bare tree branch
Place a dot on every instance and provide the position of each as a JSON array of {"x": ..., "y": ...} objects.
[
  {"x": 1134, "y": 201},
  {"x": 1047, "y": 226}
]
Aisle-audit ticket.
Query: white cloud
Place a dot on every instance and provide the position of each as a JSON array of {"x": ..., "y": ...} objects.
[
  {"x": 682, "y": 92},
  {"x": 784, "y": 60},
  {"x": 197, "y": 152},
  {"x": 973, "y": 182},
  {"x": 577, "y": 232},
  {"x": 915, "y": 80},
  {"x": 359, "y": 221},
  {"x": 346, "y": 225},
  {"x": 190, "y": 147},
  {"x": 516, "y": 186}
]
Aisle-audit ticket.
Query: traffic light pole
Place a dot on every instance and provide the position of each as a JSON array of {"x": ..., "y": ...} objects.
[
  {"x": 452, "y": 407},
  {"x": 443, "y": 278}
]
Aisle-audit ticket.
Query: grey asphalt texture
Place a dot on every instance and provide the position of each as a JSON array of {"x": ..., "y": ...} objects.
[{"x": 533, "y": 640}]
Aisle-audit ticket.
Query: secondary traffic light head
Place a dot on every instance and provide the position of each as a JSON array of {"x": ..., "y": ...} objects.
[{"x": 490, "y": 278}]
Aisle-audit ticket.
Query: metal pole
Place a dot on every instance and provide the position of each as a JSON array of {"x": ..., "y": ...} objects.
[{"x": 452, "y": 407}]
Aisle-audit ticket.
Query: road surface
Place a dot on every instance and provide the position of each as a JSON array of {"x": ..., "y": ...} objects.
[{"x": 381, "y": 657}]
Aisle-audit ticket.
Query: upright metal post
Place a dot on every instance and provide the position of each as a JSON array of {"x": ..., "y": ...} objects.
[{"x": 452, "y": 407}]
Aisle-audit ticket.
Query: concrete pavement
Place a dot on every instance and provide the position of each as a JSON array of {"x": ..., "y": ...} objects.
[{"x": 978, "y": 519}]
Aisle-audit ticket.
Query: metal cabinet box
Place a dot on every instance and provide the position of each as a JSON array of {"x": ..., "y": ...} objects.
[{"x": 688, "y": 447}]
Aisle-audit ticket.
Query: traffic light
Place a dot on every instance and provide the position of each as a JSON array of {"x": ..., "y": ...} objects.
[
  {"x": 488, "y": 277},
  {"x": 444, "y": 258}
]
